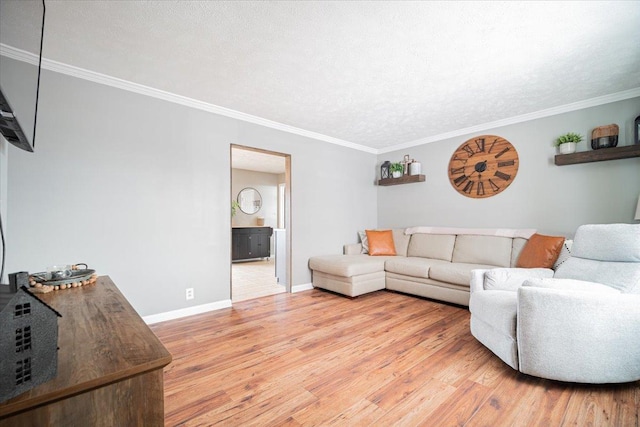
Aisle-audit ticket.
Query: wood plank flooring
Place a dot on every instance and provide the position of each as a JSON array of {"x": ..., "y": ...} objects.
[{"x": 382, "y": 359}]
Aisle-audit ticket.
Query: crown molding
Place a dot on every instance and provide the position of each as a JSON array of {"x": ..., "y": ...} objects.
[
  {"x": 593, "y": 102},
  {"x": 104, "y": 79},
  {"x": 18, "y": 54}
]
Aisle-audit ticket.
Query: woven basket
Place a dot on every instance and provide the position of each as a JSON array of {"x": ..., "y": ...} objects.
[{"x": 604, "y": 136}]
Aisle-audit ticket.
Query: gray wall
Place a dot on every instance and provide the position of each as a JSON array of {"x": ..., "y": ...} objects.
[
  {"x": 267, "y": 186},
  {"x": 552, "y": 199},
  {"x": 139, "y": 188}
]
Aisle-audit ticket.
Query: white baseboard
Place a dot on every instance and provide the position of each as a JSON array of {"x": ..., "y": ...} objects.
[
  {"x": 184, "y": 312},
  {"x": 300, "y": 288},
  {"x": 199, "y": 309}
]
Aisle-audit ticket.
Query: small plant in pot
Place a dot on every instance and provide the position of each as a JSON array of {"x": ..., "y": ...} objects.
[
  {"x": 567, "y": 143},
  {"x": 396, "y": 170}
]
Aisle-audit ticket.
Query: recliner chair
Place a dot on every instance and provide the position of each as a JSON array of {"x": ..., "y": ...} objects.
[{"x": 580, "y": 323}]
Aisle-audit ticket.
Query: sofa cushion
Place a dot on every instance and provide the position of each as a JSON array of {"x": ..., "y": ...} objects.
[
  {"x": 570, "y": 285},
  {"x": 510, "y": 279},
  {"x": 434, "y": 246},
  {"x": 412, "y": 266},
  {"x": 381, "y": 242},
  {"x": 565, "y": 253},
  {"x": 516, "y": 247},
  {"x": 624, "y": 276},
  {"x": 347, "y": 265},
  {"x": 540, "y": 252},
  {"x": 457, "y": 273},
  {"x": 364, "y": 242},
  {"x": 401, "y": 240},
  {"x": 494, "y": 251}
]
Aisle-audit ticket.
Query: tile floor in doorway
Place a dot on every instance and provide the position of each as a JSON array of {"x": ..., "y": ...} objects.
[{"x": 254, "y": 279}]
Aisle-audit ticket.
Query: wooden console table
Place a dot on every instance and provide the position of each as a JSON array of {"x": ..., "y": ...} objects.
[{"x": 109, "y": 366}]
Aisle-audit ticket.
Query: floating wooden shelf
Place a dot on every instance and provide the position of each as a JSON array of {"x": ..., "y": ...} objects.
[
  {"x": 600, "y": 155},
  {"x": 405, "y": 179}
]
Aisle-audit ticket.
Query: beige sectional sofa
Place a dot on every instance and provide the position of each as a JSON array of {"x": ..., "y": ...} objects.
[{"x": 432, "y": 262}]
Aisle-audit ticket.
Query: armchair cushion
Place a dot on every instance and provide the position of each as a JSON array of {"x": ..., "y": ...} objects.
[
  {"x": 571, "y": 285},
  {"x": 510, "y": 279},
  {"x": 624, "y": 276},
  {"x": 607, "y": 242}
]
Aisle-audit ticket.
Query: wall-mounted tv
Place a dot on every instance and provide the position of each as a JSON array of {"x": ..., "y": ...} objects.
[{"x": 19, "y": 23}]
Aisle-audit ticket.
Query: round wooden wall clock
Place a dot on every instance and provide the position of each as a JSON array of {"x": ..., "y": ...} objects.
[{"x": 483, "y": 166}]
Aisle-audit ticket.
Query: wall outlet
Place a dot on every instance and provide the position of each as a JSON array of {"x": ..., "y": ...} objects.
[{"x": 189, "y": 293}]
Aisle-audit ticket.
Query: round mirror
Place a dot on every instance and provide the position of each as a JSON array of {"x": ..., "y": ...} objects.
[{"x": 250, "y": 200}]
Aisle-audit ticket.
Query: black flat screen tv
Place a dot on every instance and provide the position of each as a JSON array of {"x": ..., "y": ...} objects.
[{"x": 19, "y": 105}]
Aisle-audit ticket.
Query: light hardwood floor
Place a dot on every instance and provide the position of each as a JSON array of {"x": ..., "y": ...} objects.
[{"x": 382, "y": 359}]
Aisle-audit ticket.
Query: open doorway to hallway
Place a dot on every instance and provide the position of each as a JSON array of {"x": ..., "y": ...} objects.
[{"x": 260, "y": 237}]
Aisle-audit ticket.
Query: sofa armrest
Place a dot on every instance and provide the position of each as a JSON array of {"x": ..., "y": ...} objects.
[
  {"x": 352, "y": 249},
  {"x": 578, "y": 336}
]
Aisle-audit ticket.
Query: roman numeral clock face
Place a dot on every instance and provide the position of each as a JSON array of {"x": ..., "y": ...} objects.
[{"x": 483, "y": 166}]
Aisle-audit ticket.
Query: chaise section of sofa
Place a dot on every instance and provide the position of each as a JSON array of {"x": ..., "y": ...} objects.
[
  {"x": 350, "y": 275},
  {"x": 355, "y": 273},
  {"x": 432, "y": 262}
]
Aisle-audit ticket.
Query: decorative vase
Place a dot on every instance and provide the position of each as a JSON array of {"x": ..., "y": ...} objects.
[
  {"x": 567, "y": 148},
  {"x": 396, "y": 174},
  {"x": 415, "y": 168}
]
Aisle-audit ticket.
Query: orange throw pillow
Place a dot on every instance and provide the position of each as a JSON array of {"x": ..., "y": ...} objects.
[
  {"x": 381, "y": 242},
  {"x": 540, "y": 252}
]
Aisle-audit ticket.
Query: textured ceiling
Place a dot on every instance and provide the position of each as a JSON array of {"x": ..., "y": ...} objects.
[
  {"x": 377, "y": 74},
  {"x": 257, "y": 161}
]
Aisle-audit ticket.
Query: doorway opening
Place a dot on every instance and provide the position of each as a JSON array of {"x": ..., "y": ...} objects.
[{"x": 260, "y": 223}]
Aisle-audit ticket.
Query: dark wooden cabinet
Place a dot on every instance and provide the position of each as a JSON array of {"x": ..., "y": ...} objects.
[
  {"x": 110, "y": 366},
  {"x": 251, "y": 242}
]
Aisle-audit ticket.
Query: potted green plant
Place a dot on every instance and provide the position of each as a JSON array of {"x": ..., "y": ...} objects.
[
  {"x": 396, "y": 169},
  {"x": 567, "y": 143},
  {"x": 234, "y": 206}
]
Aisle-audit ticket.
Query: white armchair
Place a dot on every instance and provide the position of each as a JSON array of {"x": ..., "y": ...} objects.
[{"x": 580, "y": 323}]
